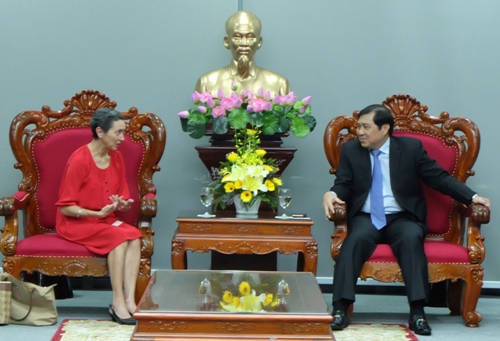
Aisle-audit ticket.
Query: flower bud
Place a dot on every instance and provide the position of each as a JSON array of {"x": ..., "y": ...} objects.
[
  {"x": 277, "y": 181},
  {"x": 220, "y": 93},
  {"x": 260, "y": 152},
  {"x": 183, "y": 114},
  {"x": 232, "y": 157},
  {"x": 195, "y": 97}
]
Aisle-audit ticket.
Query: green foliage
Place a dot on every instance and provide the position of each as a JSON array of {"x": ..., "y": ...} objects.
[
  {"x": 196, "y": 125},
  {"x": 220, "y": 125},
  {"x": 239, "y": 119},
  {"x": 270, "y": 123}
]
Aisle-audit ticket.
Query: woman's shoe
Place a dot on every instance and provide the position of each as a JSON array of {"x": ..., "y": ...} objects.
[{"x": 128, "y": 321}]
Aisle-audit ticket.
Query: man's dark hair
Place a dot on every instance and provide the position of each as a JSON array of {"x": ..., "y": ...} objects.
[
  {"x": 104, "y": 118},
  {"x": 382, "y": 116}
]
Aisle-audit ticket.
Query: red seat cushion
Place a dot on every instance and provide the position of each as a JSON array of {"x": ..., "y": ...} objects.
[
  {"x": 51, "y": 245},
  {"x": 437, "y": 252}
]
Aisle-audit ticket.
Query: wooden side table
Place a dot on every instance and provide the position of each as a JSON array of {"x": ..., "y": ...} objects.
[{"x": 230, "y": 235}]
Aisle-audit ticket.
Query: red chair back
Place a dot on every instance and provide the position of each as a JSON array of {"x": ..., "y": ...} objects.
[
  {"x": 439, "y": 206},
  {"x": 51, "y": 155}
]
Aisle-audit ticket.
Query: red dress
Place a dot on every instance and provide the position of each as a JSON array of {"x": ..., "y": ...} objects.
[{"x": 87, "y": 186}]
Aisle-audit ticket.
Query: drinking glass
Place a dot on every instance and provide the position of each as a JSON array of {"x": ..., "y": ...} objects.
[
  {"x": 206, "y": 196},
  {"x": 205, "y": 290},
  {"x": 283, "y": 291},
  {"x": 285, "y": 198}
]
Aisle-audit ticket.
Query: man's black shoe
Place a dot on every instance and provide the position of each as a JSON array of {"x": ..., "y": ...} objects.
[
  {"x": 419, "y": 325},
  {"x": 340, "y": 320}
]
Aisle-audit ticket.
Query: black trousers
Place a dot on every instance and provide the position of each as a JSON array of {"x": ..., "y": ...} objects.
[{"x": 405, "y": 237}]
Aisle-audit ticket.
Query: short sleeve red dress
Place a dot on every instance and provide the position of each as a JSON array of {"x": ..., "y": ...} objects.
[{"x": 87, "y": 186}]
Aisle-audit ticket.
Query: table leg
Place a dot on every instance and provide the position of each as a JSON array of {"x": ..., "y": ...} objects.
[
  {"x": 310, "y": 256},
  {"x": 178, "y": 256}
]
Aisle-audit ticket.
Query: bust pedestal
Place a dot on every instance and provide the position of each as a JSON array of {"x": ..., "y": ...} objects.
[{"x": 211, "y": 156}]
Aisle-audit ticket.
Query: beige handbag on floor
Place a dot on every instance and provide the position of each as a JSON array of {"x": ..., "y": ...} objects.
[
  {"x": 31, "y": 304},
  {"x": 5, "y": 295}
]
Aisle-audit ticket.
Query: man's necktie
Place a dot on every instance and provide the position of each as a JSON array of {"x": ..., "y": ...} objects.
[{"x": 377, "y": 213}]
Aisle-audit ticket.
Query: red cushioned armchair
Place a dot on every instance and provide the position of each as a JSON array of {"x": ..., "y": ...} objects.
[
  {"x": 42, "y": 142},
  {"x": 454, "y": 245}
]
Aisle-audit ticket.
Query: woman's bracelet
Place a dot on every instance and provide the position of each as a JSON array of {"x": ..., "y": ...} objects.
[{"x": 78, "y": 213}]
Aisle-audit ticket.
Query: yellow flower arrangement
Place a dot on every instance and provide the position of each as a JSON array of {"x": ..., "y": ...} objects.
[
  {"x": 248, "y": 301},
  {"x": 246, "y": 173},
  {"x": 244, "y": 292}
]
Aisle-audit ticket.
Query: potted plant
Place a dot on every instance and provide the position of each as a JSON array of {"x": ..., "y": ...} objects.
[
  {"x": 241, "y": 110},
  {"x": 246, "y": 178}
]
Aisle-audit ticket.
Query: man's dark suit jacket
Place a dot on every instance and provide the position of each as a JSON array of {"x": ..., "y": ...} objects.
[{"x": 408, "y": 163}]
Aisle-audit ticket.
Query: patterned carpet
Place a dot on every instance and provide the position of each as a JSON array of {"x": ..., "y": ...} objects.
[
  {"x": 375, "y": 332},
  {"x": 90, "y": 330},
  {"x": 87, "y": 330}
]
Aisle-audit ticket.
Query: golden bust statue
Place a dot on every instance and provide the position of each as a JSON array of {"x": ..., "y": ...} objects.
[{"x": 243, "y": 39}]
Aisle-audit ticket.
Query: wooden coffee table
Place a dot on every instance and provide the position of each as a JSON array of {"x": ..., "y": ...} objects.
[
  {"x": 172, "y": 307},
  {"x": 228, "y": 234}
]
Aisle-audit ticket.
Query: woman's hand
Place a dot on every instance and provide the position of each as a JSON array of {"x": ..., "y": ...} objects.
[
  {"x": 107, "y": 210},
  {"x": 121, "y": 205}
]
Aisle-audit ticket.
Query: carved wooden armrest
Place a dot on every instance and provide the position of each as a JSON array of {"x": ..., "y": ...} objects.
[
  {"x": 478, "y": 214},
  {"x": 8, "y": 209},
  {"x": 147, "y": 206},
  {"x": 339, "y": 219},
  {"x": 148, "y": 209}
]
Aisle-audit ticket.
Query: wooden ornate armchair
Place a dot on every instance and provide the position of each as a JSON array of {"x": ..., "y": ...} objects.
[
  {"x": 42, "y": 142},
  {"x": 454, "y": 247}
]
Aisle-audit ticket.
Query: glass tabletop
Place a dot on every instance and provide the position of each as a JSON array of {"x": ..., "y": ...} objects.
[{"x": 222, "y": 292}]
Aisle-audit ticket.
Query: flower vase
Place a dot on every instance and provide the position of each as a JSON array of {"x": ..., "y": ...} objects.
[{"x": 246, "y": 211}]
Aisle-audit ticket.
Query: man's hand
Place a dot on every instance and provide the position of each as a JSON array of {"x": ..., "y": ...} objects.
[
  {"x": 121, "y": 205},
  {"x": 328, "y": 200},
  {"x": 480, "y": 200}
]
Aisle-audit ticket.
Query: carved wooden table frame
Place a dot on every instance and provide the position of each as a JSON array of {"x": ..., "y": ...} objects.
[
  {"x": 245, "y": 236},
  {"x": 157, "y": 320}
]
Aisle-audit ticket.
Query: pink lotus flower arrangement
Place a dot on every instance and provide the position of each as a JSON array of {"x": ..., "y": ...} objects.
[{"x": 248, "y": 110}]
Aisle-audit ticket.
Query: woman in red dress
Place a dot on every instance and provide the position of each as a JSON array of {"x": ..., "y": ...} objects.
[{"x": 92, "y": 189}]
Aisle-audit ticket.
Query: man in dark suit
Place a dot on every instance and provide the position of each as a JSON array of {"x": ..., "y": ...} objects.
[{"x": 379, "y": 178}]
